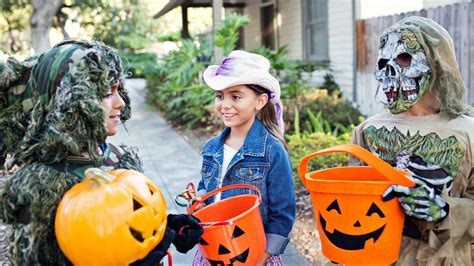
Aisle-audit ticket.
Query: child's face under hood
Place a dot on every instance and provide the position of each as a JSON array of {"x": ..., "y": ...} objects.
[
  {"x": 113, "y": 105},
  {"x": 61, "y": 102}
]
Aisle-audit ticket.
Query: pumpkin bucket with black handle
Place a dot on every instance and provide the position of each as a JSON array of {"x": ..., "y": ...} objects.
[
  {"x": 233, "y": 228},
  {"x": 354, "y": 224}
]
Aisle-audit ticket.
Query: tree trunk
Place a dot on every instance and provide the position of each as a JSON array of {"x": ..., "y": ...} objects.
[
  {"x": 62, "y": 18},
  {"x": 40, "y": 22}
]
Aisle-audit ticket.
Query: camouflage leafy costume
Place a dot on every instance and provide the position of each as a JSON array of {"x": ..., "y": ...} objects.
[
  {"x": 50, "y": 115},
  {"x": 438, "y": 149}
]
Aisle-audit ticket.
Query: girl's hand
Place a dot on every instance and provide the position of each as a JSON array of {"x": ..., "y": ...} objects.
[{"x": 263, "y": 260}]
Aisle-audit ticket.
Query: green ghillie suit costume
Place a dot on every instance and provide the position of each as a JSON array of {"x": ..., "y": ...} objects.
[
  {"x": 50, "y": 115},
  {"x": 437, "y": 149}
]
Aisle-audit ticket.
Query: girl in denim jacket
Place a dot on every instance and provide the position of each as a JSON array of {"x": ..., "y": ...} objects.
[{"x": 251, "y": 149}]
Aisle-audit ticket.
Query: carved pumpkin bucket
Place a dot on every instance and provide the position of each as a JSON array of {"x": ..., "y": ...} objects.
[
  {"x": 233, "y": 228},
  {"x": 354, "y": 224},
  {"x": 112, "y": 218}
]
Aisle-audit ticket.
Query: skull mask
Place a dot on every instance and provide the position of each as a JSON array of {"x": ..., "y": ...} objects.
[{"x": 402, "y": 70}]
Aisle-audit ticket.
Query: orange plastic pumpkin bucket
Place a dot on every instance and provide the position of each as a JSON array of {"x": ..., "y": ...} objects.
[
  {"x": 354, "y": 224},
  {"x": 233, "y": 228}
]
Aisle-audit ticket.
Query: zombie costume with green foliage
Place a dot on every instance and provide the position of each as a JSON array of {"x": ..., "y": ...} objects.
[
  {"x": 437, "y": 149},
  {"x": 50, "y": 116}
]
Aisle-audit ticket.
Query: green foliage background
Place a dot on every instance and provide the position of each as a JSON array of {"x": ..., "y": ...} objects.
[
  {"x": 123, "y": 24},
  {"x": 316, "y": 118}
]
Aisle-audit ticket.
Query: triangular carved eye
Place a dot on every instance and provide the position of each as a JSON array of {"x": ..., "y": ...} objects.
[
  {"x": 334, "y": 206},
  {"x": 203, "y": 242},
  {"x": 374, "y": 209},
  {"x": 137, "y": 235},
  {"x": 136, "y": 205},
  {"x": 151, "y": 191},
  {"x": 237, "y": 232},
  {"x": 223, "y": 250}
]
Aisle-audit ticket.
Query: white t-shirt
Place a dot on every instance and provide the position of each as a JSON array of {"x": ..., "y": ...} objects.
[{"x": 228, "y": 155}]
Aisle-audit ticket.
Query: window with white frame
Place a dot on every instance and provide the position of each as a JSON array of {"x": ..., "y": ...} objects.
[
  {"x": 315, "y": 29},
  {"x": 267, "y": 24}
]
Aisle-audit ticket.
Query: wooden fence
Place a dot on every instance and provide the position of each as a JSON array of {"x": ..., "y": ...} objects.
[{"x": 457, "y": 19}]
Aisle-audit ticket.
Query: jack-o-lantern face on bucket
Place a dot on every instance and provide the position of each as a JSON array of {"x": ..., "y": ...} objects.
[
  {"x": 355, "y": 225},
  {"x": 121, "y": 210},
  {"x": 233, "y": 228},
  {"x": 365, "y": 226},
  {"x": 239, "y": 238}
]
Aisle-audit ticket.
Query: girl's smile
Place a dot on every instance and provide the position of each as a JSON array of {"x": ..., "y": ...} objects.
[
  {"x": 238, "y": 106},
  {"x": 228, "y": 115}
]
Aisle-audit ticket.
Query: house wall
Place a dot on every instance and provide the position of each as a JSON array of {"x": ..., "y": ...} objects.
[
  {"x": 340, "y": 33},
  {"x": 290, "y": 26},
  {"x": 341, "y": 44},
  {"x": 252, "y": 37}
]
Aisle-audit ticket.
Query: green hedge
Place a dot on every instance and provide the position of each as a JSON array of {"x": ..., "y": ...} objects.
[
  {"x": 336, "y": 111},
  {"x": 140, "y": 65},
  {"x": 301, "y": 145}
]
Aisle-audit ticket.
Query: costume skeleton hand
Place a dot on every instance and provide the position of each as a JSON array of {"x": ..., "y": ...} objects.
[{"x": 422, "y": 201}]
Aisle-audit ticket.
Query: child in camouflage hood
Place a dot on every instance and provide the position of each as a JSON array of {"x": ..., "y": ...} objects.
[
  {"x": 56, "y": 111},
  {"x": 426, "y": 131}
]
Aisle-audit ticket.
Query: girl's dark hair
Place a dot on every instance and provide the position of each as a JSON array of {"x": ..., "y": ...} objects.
[{"x": 267, "y": 115}]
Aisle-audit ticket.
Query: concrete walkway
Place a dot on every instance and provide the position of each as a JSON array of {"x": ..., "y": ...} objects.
[{"x": 168, "y": 160}]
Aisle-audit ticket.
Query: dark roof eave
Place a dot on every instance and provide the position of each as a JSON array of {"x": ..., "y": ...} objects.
[{"x": 172, "y": 4}]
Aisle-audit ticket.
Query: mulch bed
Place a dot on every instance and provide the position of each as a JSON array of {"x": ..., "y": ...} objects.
[{"x": 305, "y": 236}]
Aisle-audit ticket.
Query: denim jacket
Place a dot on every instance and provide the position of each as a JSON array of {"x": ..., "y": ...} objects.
[{"x": 262, "y": 161}]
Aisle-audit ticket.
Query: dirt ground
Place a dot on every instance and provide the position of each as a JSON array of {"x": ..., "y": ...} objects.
[{"x": 305, "y": 236}]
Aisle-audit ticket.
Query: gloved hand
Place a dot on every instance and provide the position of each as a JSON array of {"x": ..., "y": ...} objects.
[
  {"x": 421, "y": 201},
  {"x": 188, "y": 231},
  {"x": 156, "y": 255}
]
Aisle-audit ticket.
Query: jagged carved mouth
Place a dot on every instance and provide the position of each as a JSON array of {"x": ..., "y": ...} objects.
[
  {"x": 349, "y": 242},
  {"x": 241, "y": 258}
]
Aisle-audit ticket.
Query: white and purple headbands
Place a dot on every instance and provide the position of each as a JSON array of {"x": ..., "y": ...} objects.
[{"x": 243, "y": 68}]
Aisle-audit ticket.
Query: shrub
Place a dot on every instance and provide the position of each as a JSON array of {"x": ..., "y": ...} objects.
[
  {"x": 177, "y": 88},
  {"x": 227, "y": 34},
  {"x": 289, "y": 72},
  {"x": 140, "y": 65},
  {"x": 334, "y": 110},
  {"x": 305, "y": 144}
]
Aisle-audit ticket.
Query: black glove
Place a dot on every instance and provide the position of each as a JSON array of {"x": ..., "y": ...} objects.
[
  {"x": 157, "y": 254},
  {"x": 188, "y": 231}
]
